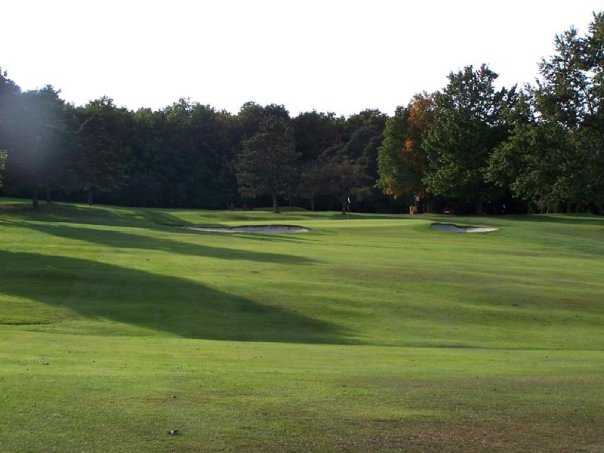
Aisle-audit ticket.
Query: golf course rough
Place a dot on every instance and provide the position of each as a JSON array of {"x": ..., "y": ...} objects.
[{"x": 368, "y": 333}]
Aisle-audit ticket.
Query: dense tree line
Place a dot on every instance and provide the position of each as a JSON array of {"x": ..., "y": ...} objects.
[
  {"x": 185, "y": 155},
  {"x": 471, "y": 147},
  {"x": 474, "y": 147}
]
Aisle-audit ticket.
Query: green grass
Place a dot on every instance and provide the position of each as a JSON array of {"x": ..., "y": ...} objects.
[{"x": 369, "y": 333}]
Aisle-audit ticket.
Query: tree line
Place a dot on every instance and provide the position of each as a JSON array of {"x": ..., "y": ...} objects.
[{"x": 472, "y": 146}]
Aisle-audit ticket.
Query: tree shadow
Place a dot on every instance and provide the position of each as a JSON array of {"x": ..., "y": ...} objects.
[
  {"x": 91, "y": 215},
  {"x": 149, "y": 218},
  {"x": 162, "y": 303},
  {"x": 123, "y": 240}
]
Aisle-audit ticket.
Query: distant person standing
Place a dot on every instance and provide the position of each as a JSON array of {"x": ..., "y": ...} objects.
[{"x": 414, "y": 207}]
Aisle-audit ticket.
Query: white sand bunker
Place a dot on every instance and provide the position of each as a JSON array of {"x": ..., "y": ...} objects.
[
  {"x": 451, "y": 228},
  {"x": 258, "y": 229}
]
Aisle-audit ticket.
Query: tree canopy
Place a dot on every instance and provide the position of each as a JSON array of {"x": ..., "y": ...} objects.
[{"x": 472, "y": 146}]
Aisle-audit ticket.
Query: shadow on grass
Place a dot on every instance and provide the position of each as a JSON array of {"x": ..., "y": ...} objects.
[
  {"x": 125, "y": 216},
  {"x": 91, "y": 215},
  {"x": 162, "y": 303},
  {"x": 123, "y": 240},
  {"x": 150, "y": 218}
]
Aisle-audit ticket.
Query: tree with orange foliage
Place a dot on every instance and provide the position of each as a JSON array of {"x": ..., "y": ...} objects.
[{"x": 401, "y": 160}]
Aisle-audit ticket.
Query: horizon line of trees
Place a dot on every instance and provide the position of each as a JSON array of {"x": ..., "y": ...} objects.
[{"x": 470, "y": 147}]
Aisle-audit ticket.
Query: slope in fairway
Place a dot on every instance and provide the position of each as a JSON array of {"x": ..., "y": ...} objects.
[{"x": 368, "y": 332}]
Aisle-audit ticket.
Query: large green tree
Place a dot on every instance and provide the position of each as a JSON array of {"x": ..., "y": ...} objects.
[
  {"x": 9, "y": 96},
  {"x": 103, "y": 146},
  {"x": 9, "y": 93},
  {"x": 554, "y": 157},
  {"x": 267, "y": 162},
  {"x": 40, "y": 147},
  {"x": 570, "y": 92},
  {"x": 315, "y": 132},
  {"x": 469, "y": 122},
  {"x": 532, "y": 164},
  {"x": 357, "y": 155}
]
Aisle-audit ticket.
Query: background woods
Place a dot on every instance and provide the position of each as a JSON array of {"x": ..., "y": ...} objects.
[{"x": 472, "y": 146}]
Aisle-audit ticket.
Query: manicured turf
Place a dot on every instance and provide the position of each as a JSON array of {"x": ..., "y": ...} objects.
[{"x": 368, "y": 333}]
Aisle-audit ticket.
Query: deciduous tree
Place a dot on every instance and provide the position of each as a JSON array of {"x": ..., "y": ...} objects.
[
  {"x": 468, "y": 125},
  {"x": 267, "y": 162}
]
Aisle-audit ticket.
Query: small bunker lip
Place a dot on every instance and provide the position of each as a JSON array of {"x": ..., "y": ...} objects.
[
  {"x": 453, "y": 228},
  {"x": 255, "y": 229}
]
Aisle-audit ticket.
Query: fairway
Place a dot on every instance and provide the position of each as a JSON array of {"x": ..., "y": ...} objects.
[{"x": 368, "y": 332}]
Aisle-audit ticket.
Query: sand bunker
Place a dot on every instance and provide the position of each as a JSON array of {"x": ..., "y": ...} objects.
[
  {"x": 451, "y": 228},
  {"x": 258, "y": 229}
]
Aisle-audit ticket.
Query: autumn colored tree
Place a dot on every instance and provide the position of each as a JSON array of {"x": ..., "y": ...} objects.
[{"x": 402, "y": 160}]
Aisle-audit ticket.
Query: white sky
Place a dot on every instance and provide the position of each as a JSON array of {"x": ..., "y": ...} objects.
[{"x": 330, "y": 55}]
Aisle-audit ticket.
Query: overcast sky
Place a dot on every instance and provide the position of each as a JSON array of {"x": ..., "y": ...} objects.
[{"x": 330, "y": 55}]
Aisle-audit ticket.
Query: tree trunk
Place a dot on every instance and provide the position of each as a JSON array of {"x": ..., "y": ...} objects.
[
  {"x": 275, "y": 204},
  {"x": 91, "y": 196},
  {"x": 48, "y": 195},
  {"x": 312, "y": 203},
  {"x": 35, "y": 202},
  {"x": 428, "y": 207},
  {"x": 479, "y": 207}
]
